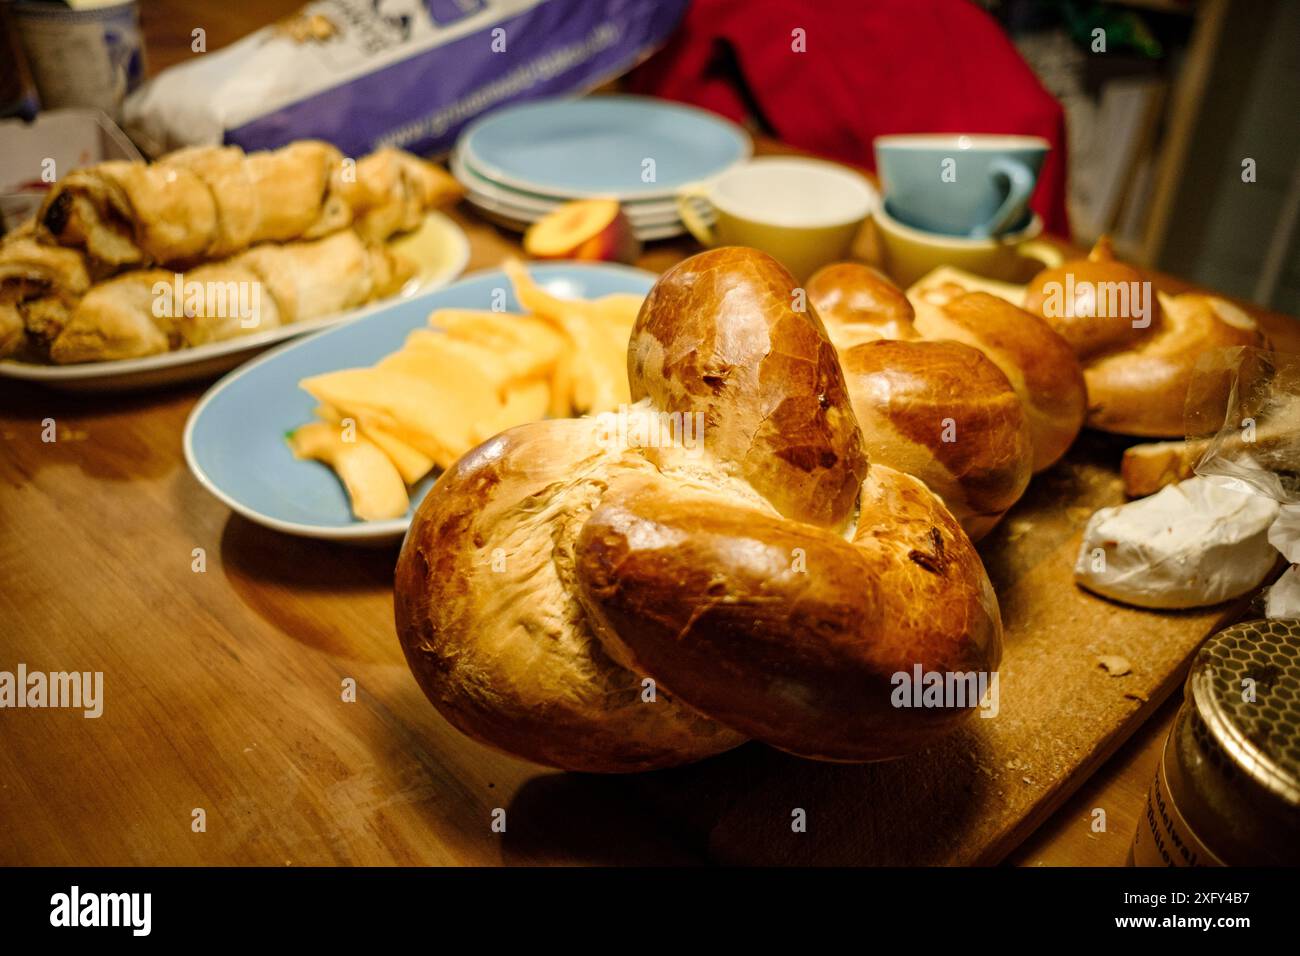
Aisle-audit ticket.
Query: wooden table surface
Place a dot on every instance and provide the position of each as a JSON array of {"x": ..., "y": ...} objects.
[{"x": 223, "y": 678}]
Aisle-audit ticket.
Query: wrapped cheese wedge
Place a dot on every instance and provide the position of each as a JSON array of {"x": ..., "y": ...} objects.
[{"x": 1192, "y": 544}]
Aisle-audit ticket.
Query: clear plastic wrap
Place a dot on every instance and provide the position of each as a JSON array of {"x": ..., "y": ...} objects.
[{"x": 1243, "y": 407}]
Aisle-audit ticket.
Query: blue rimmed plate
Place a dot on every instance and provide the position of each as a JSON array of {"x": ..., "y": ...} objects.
[
  {"x": 598, "y": 146},
  {"x": 235, "y": 437}
]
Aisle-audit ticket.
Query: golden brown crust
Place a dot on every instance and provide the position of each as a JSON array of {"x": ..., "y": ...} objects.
[
  {"x": 89, "y": 209},
  {"x": 785, "y": 631},
  {"x": 13, "y": 330},
  {"x": 719, "y": 334},
  {"x": 1148, "y": 467},
  {"x": 270, "y": 196},
  {"x": 1138, "y": 347},
  {"x": 309, "y": 280},
  {"x": 857, "y": 302},
  {"x": 487, "y": 615},
  {"x": 1086, "y": 327},
  {"x": 1142, "y": 391},
  {"x": 392, "y": 190},
  {"x": 742, "y": 599},
  {"x": 937, "y": 407},
  {"x": 173, "y": 214},
  {"x": 29, "y": 269},
  {"x": 1040, "y": 365},
  {"x": 205, "y": 203},
  {"x": 115, "y": 320},
  {"x": 138, "y": 313},
  {"x": 39, "y": 287},
  {"x": 942, "y": 412}
]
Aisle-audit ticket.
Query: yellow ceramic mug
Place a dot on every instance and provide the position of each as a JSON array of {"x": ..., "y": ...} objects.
[{"x": 803, "y": 212}]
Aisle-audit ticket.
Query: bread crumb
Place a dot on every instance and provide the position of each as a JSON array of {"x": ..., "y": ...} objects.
[
  {"x": 1113, "y": 665},
  {"x": 1019, "y": 528}
]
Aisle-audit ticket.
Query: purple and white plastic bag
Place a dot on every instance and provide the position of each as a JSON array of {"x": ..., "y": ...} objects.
[{"x": 407, "y": 73}]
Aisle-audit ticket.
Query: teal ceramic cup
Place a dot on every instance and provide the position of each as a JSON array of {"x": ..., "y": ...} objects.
[{"x": 975, "y": 185}]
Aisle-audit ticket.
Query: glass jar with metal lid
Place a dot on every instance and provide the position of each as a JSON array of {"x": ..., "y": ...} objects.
[{"x": 1227, "y": 790}]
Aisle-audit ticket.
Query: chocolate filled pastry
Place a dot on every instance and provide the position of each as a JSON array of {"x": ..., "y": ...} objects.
[
  {"x": 210, "y": 202},
  {"x": 595, "y": 601},
  {"x": 1138, "y": 346}
]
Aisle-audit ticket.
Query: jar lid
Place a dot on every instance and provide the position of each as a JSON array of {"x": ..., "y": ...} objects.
[{"x": 1244, "y": 691}]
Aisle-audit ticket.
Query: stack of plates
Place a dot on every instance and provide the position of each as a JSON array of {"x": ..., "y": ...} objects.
[{"x": 521, "y": 162}]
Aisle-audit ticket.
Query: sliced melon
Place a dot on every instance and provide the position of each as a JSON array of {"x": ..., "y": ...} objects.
[
  {"x": 435, "y": 415},
  {"x": 528, "y": 402},
  {"x": 501, "y": 331},
  {"x": 462, "y": 366},
  {"x": 504, "y": 367},
  {"x": 412, "y": 464},
  {"x": 374, "y": 487}
]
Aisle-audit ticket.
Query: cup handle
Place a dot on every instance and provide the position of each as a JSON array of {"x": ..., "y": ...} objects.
[
  {"x": 1021, "y": 180},
  {"x": 1049, "y": 255},
  {"x": 690, "y": 216}
]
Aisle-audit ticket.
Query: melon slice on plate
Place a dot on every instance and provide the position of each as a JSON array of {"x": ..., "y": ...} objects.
[{"x": 373, "y": 484}]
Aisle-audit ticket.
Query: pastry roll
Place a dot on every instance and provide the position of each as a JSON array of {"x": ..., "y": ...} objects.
[
  {"x": 149, "y": 311},
  {"x": 393, "y": 189},
  {"x": 271, "y": 196},
  {"x": 13, "y": 331},
  {"x": 309, "y": 280},
  {"x": 39, "y": 285},
  {"x": 207, "y": 203},
  {"x": 114, "y": 320}
]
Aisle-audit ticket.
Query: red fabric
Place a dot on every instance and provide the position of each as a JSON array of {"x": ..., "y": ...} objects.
[{"x": 870, "y": 67}]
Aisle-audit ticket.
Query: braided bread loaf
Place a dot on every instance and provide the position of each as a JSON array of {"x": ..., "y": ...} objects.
[
  {"x": 1138, "y": 347},
  {"x": 962, "y": 390},
  {"x": 594, "y": 606}
]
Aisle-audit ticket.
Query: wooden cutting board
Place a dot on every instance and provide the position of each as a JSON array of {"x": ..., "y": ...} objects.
[{"x": 976, "y": 795}]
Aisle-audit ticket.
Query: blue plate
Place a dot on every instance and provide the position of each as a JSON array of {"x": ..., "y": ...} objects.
[
  {"x": 596, "y": 146},
  {"x": 235, "y": 437}
]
